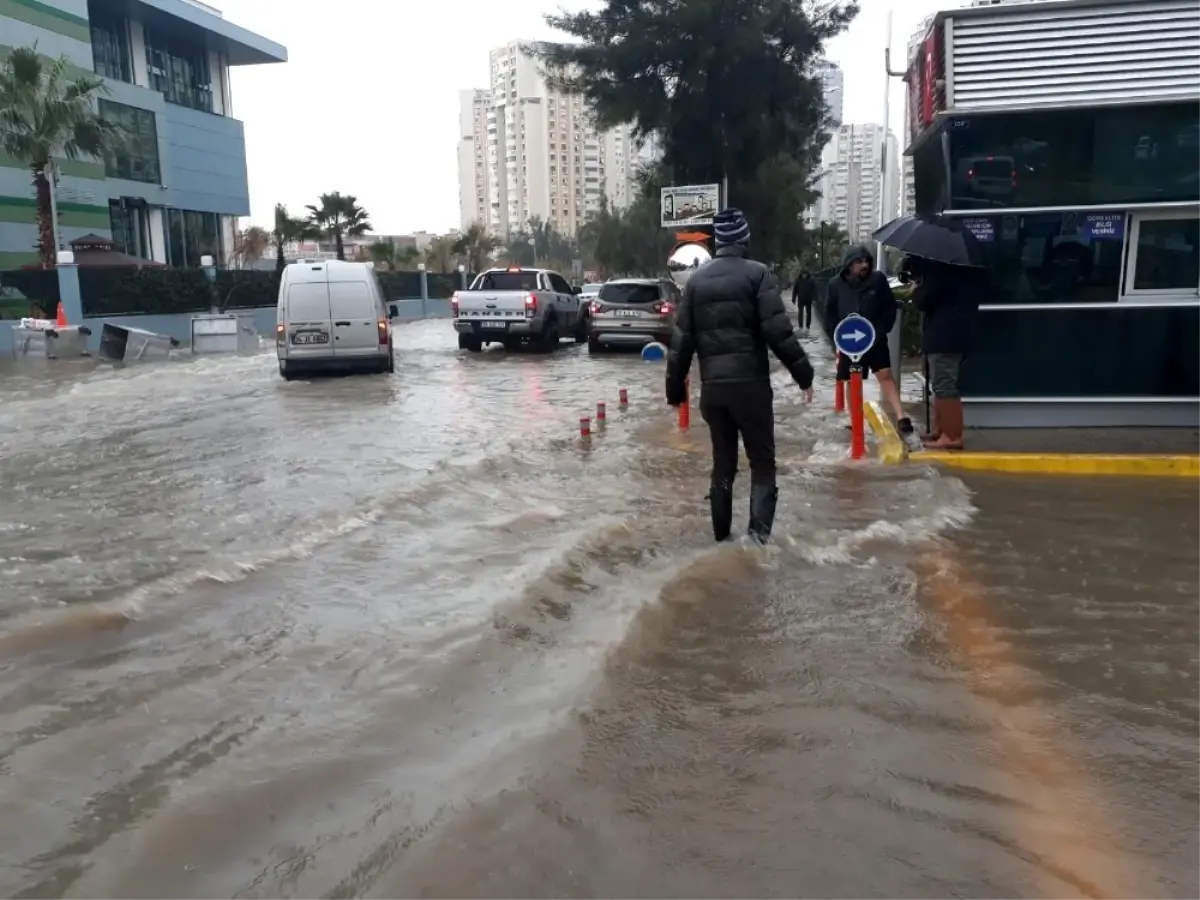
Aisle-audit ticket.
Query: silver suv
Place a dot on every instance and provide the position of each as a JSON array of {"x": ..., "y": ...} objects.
[{"x": 633, "y": 312}]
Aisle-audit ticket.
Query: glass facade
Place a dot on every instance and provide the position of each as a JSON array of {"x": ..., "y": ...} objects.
[
  {"x": 192, "y": 235},
  {"x": 137, "y": 157},
  {"x": 179, "y": 68},
  {"x": 111, "y": 56},
  {"x": 1087, "y": 157},
  {"x": 129, "y": 223}
]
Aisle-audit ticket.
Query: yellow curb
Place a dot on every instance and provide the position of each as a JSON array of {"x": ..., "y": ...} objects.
[
  {"x": 1183, "y": 466},
  {"x": 889, "y": 448}
]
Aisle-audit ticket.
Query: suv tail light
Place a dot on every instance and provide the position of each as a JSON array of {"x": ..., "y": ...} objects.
[
  {"x": 664, "y": 309},
  {"x": 454, "y": 305},
  {"x": 383, "y": 332},
  {"x": 531, "y": 304},
  {"x": 597, "y": 307},
  {"x": 280, "y": 331}
]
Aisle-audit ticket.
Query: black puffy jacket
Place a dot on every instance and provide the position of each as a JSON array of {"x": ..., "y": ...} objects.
[{"x": 730, "y": 314}]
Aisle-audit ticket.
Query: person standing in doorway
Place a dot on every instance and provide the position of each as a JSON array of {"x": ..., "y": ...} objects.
[
  {"x": 803, "y": 293},
  {"x": 948, "y": 299},
  {"x": 860, "y": 289},
  {"x": 730, "y": 315}
]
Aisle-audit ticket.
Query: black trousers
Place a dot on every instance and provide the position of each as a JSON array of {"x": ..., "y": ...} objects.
[
  {"x": 804, "y": 314},
  {"x": 747, "y": 410}
]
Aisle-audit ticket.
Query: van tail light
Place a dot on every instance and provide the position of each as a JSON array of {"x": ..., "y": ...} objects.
[
  {"x": 597, "y": 307},
  {"x": 664, "y": 309},
  {"x": 383, "y": 332},
  {"x": 454, "y": 305},
  {"x": 280, "y": 331},
  {"x": 531, "y": 304}
]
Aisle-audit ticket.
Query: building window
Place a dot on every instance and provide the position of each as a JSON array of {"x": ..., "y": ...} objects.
[
  {"x": 192, "y": 235},
  {"x": 1096, "y": 157},
  {"x": 1164, "y": 256},
  {"x": 110, "y": 45},
  {"x": 1059, "y": 257},
  {"x": 137, "y": 158},
  {"x": 127, "y": 220},
  {"x": 179, "y": 69}
]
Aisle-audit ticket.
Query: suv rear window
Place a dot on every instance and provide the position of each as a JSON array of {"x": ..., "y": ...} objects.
[
  {"x": 993, "y": 168},
  {"x": 629, "y": 293},
  {"x": 506, "y": 281}
]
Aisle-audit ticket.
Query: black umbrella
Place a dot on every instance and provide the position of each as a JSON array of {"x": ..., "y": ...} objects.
[{"x": 936, "y": 238}]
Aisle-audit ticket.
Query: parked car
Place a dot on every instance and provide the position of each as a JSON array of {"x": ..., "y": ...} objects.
[
  {"x": 633, "y": 312},
  {"x": 332, "y": 316},
  {"x": 514, "y": 305}
]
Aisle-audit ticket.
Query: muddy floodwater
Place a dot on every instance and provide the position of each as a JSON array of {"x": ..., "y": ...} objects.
[{"x": 408, "y": 636}]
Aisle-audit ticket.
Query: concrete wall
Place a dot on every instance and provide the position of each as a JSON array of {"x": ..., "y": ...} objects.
[
  {"x": 205, "y": 167},
  {"x": 179, "y": 326}
]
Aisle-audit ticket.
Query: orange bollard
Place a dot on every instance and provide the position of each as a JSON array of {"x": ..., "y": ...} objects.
[
  {"x": 601, "y": 411},
  {"x": 585, "y": 426},
  {"x": 839, "y": 391},
  {"x": 858, "y": 437},
  {"x": 624, "y": 396},
  {"x": 685, "y": 408}
]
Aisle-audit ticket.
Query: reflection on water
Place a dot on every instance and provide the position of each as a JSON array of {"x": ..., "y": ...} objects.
[{"x": 401, "y": 636}]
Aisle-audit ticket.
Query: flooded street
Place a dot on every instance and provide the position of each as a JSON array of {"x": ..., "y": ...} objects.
[{"x": 407, "y": 636}]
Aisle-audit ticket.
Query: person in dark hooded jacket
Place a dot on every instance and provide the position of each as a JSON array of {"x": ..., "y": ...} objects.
[
  {"x": 860, "y": 289},
  {"x": 730, "y": 315}
]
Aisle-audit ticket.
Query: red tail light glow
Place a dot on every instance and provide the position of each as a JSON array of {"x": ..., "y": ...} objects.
[
  {"x": 531, "y": 305},
  {"x": 280, "y": 330},
  {"x": 383, "y": 332},
  {"x": 597, "y": 307},
  {"x": 454, "y": 305},
  {"x": 665, "y": 309}
]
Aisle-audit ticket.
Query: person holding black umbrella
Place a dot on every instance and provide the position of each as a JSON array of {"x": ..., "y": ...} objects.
[{"x": 948, "y": 299}]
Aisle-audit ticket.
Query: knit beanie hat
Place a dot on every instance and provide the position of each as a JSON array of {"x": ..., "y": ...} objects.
[{"x": 730, "y": 227}]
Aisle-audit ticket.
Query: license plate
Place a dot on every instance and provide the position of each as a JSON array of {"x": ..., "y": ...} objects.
[
  {"x": 627, "y": 313},
  {"x": 494, "y": 324},
  {"x": 310, "y": 337}
]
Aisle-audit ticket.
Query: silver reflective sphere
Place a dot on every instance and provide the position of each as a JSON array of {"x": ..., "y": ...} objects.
[{"x": 686, "y": 259}]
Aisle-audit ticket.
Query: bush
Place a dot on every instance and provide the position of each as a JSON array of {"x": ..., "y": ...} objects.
[
  {"x": 112, "y": 291},
  {"x": 407, "y": 285},
  {"x": 23, "y": 289},
  {"x": 247, "y": 288}
]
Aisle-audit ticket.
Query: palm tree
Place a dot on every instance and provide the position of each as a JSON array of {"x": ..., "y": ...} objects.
[
  {"x": 250, "y": 246},
  {"x": 383, "y": 253},
  {"x": 439, "y": 255},
  {"x": 287, "y": 229},
  {"x": 339, "y": 217},
  {"x": 44, "y": 114},
  {"x": 477, "y": 246}
]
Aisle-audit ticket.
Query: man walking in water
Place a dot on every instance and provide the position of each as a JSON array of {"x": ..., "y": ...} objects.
[
  {"x": 730, "y": 314},
  {"x": 862, "y": 290},
  {"x": 803, "y": 292}
]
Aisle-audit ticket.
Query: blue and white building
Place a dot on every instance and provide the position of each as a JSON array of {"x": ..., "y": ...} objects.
[{"x": 175, "y": 191}]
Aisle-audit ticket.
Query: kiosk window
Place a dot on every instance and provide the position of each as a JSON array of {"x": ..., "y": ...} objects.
[{"x": 1164, "y": 255}]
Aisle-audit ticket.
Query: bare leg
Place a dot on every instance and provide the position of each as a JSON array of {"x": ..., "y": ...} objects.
[{"x": 891, "y": 396}]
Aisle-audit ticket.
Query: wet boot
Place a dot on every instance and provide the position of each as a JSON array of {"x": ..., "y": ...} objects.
[
  {"x": 950, "y": 419},
  {"x": 720, "y": 500},
  {"x": 762, "y": 511},
  {"x": 935, "y": 433}
]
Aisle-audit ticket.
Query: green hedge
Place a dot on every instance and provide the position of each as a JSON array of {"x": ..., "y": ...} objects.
[
  {"x": 112, "y": 292},
  {"x": 22, "y": 289},
  {"x": 247, "y": 288}
]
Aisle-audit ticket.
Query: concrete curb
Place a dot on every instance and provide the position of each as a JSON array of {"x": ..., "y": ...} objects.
[
  {"x": 889, "y": 447},
  {"x": 1140, "y": 465}
]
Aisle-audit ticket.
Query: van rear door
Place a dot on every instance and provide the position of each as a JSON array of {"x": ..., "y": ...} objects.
[
  {"x": 307, "y": 320},
  {"x": 355, "y": 323}
]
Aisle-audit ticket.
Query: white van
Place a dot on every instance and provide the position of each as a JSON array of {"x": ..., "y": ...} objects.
[{"x": 332, "y": 316}]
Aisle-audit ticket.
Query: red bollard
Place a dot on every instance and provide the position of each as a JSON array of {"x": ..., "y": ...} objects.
[
  {"x": 839, "y": 391},
  {"x": 858, "y": 437},
  {"x": 585, "y": 426},
  {"x": 685, "y": 408},
  {"x": 601, "y": 411},
  {"x": 624, "y": 396}
]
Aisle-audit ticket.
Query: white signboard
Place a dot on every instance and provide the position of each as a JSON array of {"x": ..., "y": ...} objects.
[{"x": 689, "y": 204}]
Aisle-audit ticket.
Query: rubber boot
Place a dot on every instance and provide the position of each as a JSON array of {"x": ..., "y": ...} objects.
[
  {"x": 762, "y": 511},
  {"x": 950, "y": 417},
  {"x": 720, "y": 499},
  {"x": 935, "y": 432}
]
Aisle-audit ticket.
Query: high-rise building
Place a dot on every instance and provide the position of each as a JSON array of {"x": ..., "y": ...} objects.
[
  {"x": 537, "y": 154},
  {"x": 857, "y": 186},
  {"x": 179, "y": 184},
  {"x": 832, "y": 84}
]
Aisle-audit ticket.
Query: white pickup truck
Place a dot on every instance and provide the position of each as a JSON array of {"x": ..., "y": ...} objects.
[{"x": 515, "y": 305}]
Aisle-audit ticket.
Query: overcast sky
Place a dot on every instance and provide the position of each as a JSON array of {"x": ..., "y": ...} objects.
[{"x": 368, "y": 103}]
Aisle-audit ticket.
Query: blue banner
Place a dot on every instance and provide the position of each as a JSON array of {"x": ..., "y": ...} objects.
[{"x": 1104, "y": 226}]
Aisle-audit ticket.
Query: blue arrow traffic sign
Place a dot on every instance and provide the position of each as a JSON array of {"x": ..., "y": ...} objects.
[{"x": 854, "y": 336}]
